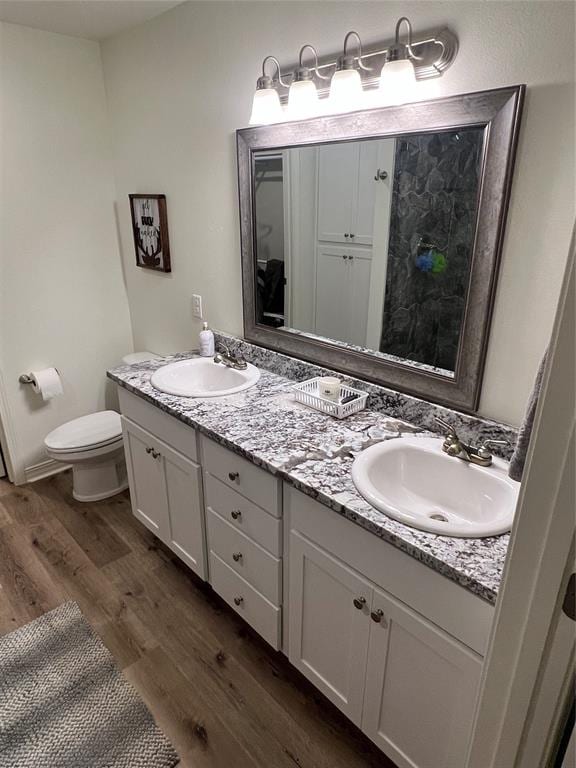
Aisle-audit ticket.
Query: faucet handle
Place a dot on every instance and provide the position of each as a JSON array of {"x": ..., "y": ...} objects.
[
  {"x": 448, "y": 428},
  {"x": 483, "y": 451},
  {"x": 488, "y": 442}
]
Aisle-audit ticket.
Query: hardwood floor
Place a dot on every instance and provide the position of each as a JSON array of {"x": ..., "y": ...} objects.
[{"x": 218, "y": 691}]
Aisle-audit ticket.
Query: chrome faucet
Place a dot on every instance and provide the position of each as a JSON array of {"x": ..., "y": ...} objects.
[
  {"x": 226, "y": 357},
  {"x": 453, "y": 446}
]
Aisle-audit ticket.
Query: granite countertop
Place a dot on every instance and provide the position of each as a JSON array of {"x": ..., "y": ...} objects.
[{"x": 314, "y": 453}]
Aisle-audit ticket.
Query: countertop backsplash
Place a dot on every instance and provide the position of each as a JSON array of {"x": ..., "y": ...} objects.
[{"x": 397, "y": 405}]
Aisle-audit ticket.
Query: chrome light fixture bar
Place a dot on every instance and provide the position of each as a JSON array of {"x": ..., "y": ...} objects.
[{"x": 394, "y": 69}]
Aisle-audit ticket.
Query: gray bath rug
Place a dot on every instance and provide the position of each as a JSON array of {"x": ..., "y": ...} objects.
[{"x": 64, "y": 704}]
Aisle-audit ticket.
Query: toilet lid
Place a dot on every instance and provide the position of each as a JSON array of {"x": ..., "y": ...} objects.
[{"x": 87, "y": 431}]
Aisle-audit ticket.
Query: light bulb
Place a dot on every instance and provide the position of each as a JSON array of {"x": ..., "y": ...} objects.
[
  {"x": 302, "y": 100},
  {"x": 345, "y": 90},
  {"x": 266, "y": 107},
  {"x": 397, "y": 82}
]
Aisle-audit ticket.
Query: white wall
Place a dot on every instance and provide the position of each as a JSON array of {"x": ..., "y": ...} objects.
[
  {"x": 180, "y": 85},
  {"x": 62, "y": 295}
]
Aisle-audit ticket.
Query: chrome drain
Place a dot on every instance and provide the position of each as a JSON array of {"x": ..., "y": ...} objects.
[{"x": 438, "y": 516}]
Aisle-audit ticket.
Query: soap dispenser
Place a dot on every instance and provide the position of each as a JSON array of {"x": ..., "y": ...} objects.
[{"x": 206, "y": 341}]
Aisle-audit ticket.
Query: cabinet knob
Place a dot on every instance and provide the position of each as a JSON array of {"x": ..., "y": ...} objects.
[
  {"x": 236, "y": 514},
  {"x": 156, "y": 454},
  {"x": 237, "y": 556},
  {"x": 148, "y": 450},
  {"x": 378, "y": 617},
  {"x": 346, "y": 234},
  {"x": 233, "y": 476},
  {"x": 352, "y": 235},
  {"x": 238, "y": 600},
  {"x": 350, "y": 257},
  {"x": 359, "y": 602}
]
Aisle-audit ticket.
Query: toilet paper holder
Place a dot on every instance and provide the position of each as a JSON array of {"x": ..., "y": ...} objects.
[{"x": 26, "y": 378}]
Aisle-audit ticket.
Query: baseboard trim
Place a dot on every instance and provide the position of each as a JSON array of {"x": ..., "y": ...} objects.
[{"x": 44, "y": 469}]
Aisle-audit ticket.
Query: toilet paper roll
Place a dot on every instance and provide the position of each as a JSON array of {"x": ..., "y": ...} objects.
[{"x": 47, "y": 383}]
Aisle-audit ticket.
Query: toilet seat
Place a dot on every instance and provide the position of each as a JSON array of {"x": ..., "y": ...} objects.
[{"x": 87, "y": 433}]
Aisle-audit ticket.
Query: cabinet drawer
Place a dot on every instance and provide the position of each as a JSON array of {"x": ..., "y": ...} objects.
[
  {"x": 248, "y": 559},
  {"x": 167, "y": 428},
  {"x": 243, "y": 514},
  {"x": 241, "y": 475},
  {"x": 246, "y": 601}
]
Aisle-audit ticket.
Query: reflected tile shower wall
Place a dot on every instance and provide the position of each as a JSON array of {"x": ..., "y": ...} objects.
[{"x": 432, "y": 224}]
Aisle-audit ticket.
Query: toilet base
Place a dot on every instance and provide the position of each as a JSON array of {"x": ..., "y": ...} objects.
[
  {"x": 99, "y": 477},
  {"x": 98, "y": 496},
  {"x": 96, "y": 474}
]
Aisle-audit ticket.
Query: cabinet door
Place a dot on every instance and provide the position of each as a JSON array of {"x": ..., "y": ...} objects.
[
  {"x": 358, "y": 287},
  {"x": 420, "y": 689},
  {"x": 328, "y": 633},
  {"x": 337, "y": 179},
  {"x": 185, "y": 509},
  {"x": 333, "y": 298},
  {"x": 146, "y": 479},
  {"x": 363, "y": 205}
]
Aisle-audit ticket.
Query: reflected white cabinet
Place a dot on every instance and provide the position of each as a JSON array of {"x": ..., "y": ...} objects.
[
  {"x": 342, "y": 289},
  {"x": 409, "y": 685},
  {"x": 166, "y": 494},
  {"x": 346, "y": 192}
]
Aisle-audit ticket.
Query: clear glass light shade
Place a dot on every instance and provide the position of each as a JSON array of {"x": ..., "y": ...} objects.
[
  {"x": 345, "y": 90},
  {"x": 397, "y": 82},
  {"x": 302, "y": 100},
  {"x": 266, "y": 107}
]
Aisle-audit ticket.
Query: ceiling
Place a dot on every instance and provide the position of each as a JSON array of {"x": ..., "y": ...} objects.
[{"x": 93, "y": 19}]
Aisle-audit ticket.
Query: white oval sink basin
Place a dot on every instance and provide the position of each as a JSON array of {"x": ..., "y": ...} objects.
[
  {"x": 202, "y": 377},
  {"x": 411, "y": 480}
]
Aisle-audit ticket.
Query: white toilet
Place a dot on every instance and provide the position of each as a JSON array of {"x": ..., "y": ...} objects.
[{"x": 93, "y": 446}]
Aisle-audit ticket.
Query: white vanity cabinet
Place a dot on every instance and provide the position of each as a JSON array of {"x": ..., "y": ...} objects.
[
  {"x": 391, "y": 642},
  {"x": 165, "y": 483},
  {"x": 243, "y": 515},
  {"x": 396, "y": 672}
]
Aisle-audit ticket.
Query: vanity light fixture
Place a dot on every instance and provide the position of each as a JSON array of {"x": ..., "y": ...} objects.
[
  {"x": 397, "y": 78},
  {"x": 303, "y": 94},
  {"x": 346, "y": 86},
  {"x": 266, "y": 107},
  {"x": 400, "y": 64}
]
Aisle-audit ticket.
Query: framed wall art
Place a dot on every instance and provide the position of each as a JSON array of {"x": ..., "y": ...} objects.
[{"x": 150, "y": 228}]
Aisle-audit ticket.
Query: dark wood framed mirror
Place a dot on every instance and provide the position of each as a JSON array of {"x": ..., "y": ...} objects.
[{"x": 371, "y": 240}]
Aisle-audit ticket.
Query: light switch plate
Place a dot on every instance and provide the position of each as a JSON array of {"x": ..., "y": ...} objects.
[{"x": 197, "y": 305}]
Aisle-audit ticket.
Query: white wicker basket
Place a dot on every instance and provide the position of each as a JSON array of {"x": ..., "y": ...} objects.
[{"x": 308, "y": 393}]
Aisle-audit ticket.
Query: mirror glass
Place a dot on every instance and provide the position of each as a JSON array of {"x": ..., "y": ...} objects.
[{"x": 368, "y": 243}]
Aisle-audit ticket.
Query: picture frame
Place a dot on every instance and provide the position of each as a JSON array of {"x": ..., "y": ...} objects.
[{"x": 150, "y": 231}]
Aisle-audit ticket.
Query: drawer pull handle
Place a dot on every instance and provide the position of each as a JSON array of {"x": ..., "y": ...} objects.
[
  {"x": 238, "y": 600},
  {"x": 233, "y": 476},
  {"x": 359, "y": 602},
  {"x": 237, "y": 556},
  {"x": 378, "y": 617},
  {"x": 236, "y": 514}
]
